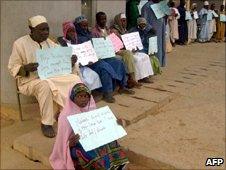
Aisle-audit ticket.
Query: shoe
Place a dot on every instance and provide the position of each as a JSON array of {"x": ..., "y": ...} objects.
[
  {"x": 107, "y": 97},
  {"x": 146, "y": 80},
  {"x": 130, "y": 84},
  {"x": 48, "y": 131},
  {"x": 125, "y": 91}
]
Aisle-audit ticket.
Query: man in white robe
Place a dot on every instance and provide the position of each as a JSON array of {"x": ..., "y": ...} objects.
[
  {"x": 50, "y": 93},
  {"x": 204, "y": 33}
]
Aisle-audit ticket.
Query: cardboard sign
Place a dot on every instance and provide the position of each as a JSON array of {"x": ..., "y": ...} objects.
[
  {"x": 132, "y": 41},
  {"x": 96, "y": 128},
  {"x": 84, "y": 52},
  {"x": 116, "y": 41},
  {"x": 54, "y": 62},
  {"x": 103, "y": 47}
]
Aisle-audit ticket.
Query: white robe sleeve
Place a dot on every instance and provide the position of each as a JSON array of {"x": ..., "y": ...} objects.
[{"x": 15, "y": 60}]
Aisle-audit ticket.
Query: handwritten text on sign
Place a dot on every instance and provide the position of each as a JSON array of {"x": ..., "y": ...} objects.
[
  {"x": 161, "y": 9},
  {"x": 103, "y": 47},
  {"x": 54, "y": 62},
  {"x": 84, "y": 52},
  {"x": 153, "y": 45},
  {"x": 116, "y": 41},
  {"x": 132, "y": 41},
  {"x": 96, "y": 128}
]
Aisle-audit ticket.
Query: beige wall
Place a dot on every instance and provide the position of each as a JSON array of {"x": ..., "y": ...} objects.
[
  {"x": 111, "y": 8},
  {"x": 14, "y": 15}
]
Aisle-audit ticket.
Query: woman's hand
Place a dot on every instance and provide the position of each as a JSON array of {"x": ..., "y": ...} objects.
[
  {"x": 73, "y": 139},
  {"x": 73, "y": 60},
  {"x": 121, "y": 122}
]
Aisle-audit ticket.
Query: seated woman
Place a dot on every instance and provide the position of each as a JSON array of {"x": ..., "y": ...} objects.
[
  {"x": 143, "y": 68},
  {"x": 88, "y": 76},
  {"x": 84, "y": 34},
  {"x": 68, "y": 153},
  {"x": 145, "y": 33},
  {"x": 110, "y": 70}
]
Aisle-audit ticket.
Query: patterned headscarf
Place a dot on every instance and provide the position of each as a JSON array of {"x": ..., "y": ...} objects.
[
  {"x": 80, "y": 87},
  {"x": 80, "y": 19},
  {"x": 66, "y": 26}
]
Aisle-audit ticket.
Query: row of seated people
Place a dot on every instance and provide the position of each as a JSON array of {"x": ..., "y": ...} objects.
[{"x": 123, "y": 70}]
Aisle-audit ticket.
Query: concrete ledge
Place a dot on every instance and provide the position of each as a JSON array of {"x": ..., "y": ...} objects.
[{"x": 35, "y": 146}]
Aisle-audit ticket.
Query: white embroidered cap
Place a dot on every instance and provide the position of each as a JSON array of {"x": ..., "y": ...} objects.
[{"x": 36, "y": 20}]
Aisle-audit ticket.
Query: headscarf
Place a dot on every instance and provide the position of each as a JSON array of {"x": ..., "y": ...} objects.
[
  {"x": 141, "y": 20},
  {"x": 80, "y": 87},
  {"x": 66, "y": 26},
  {"x": 118, "y": 24},
  {"x": 83, "y": 35},
  {"x": 61, "y": 157},
  {"x": 80, "y": 19}
]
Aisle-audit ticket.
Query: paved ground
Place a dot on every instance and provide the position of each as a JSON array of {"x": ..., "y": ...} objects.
[{"x": 177, "y": 122}]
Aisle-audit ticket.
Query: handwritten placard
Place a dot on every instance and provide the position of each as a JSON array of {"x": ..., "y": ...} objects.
[
  {"x": 84, "y": 52},
  {"x": 209, "y": 15},
  {"x": 54, "y": 61},
  {"x": 188, "y": 15},
  {"x": 153, "y": 45},
  {"x": 103, "y": 47},
  {"x": 96, "y": 128},
  {"x": 161, "y": 9},
  {"x": 195, "y": 14},
  {"x": 222, "y": 18},
  {"x": 116, "y": 41},
  {"x": 132, "y": 41}
]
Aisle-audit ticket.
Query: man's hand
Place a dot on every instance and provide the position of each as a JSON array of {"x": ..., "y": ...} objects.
[
  {"x": 31, "y": 67},
  {"x": 73, "y": 139},
  {"x": 135, "y": 50},
  {"x": 90, "y": 63},
  {"x": 73, "y": 60}
]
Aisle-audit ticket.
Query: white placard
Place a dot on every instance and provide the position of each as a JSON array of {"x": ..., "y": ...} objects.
[
  {"x": 103, "y": 47},
  {"x": 132, "y": 41},
  {"x": 209, "y": 15},
  {"x": 54, "y": 61},
  {"x": 188, "y": 15},
  {"x": 84, "y": 52},
  {"x": 196, "y": 16},
  {"x": 96, "y": 128},
  {"x": 222, "y": 18},
  {"x": 153, "y": 45}
]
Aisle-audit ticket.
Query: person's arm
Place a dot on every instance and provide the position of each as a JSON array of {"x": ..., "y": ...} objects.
[{"x": 16, "y": 66}]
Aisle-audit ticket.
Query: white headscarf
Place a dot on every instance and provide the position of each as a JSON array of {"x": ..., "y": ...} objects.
[{"x": 36, "y": 20}]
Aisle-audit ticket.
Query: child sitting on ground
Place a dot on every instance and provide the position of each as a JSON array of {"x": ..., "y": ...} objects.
[{"x": 68, "y": 153}]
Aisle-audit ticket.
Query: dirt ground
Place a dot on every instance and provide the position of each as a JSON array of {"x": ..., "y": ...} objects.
[{"x": 183, "y": 133}]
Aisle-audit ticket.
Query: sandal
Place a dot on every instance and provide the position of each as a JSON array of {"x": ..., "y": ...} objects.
[
  {"x": 107, "y": 97},
  {"x": 48, "y": 131},
  {"x": 125, "y": 91}
]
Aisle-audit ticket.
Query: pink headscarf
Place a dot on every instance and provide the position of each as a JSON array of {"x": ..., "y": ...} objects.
[
  {"x": 61, "y": 157},
  {"x": 67, "y": 25}
]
